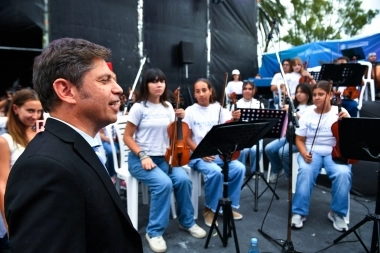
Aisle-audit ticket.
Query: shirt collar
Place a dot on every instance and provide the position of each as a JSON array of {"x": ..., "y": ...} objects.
[{"x": 91, "y": 141}]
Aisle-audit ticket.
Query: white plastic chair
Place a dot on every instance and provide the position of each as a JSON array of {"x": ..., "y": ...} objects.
[
  {"x": 368, "y": 81},
  {"x": 196, "y": 179}
]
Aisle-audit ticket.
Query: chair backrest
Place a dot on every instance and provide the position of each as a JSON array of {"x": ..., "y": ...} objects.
[
  {"x": 120, "y": 125},
  {"x": 369, "y": 71},
  {"x": 108, "y": 129}
]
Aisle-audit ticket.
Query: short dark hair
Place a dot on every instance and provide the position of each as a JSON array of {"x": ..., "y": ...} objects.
[
  {"x": 343, "y": 58},
  {"x": 287, "y": 59},
  {"x": 150, "y": 76},
  {"x": 65, "y": 58}
]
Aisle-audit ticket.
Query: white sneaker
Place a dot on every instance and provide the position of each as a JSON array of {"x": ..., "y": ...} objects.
[
  {"x": 273, "y": 177},
  {"x": 156, "y": 244},
  {"x": 297, "y": 221},
  {"x": 196, "y": 231},
  {"x": 338, "y": 221}
]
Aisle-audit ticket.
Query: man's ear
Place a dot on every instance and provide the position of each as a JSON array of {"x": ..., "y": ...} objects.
[{"x": 65, "y": 90}]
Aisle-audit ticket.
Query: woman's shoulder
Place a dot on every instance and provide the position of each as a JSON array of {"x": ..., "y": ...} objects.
[{"x": 6, "y": 139}]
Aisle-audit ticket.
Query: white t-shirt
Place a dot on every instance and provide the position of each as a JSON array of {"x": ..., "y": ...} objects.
[
  {"x": 277, "y": 80},
  {"x": 324, "y": 140},
  {"x": 201, "y": 119},
  {"x": 236, "y": 87},
  {"x": 293, "y": 79},
  {"x": 252, "y": 103},
  {"x": 302, "y": 108},
  {"x": 151, "y": 122},
  {"x": 14, "y": 148}
]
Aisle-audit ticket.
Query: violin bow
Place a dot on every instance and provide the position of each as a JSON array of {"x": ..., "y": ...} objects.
[
  {"x": 224, "y": 89},
  {"x": 135, "y": 82}
]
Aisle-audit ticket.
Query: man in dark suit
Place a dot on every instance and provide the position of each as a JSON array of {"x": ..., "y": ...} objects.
[{"x": 59, "y": 196}]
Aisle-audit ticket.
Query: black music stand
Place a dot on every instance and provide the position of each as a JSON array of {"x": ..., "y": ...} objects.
[
  {"x": 363, "y": 145},
  {"x": 278, "y": 126},
  {"x": 316, "y": 75},
  {"x": 354, "y": 54},
  {"x": 236, "y": 136},
  {"x": 343, "y": 74}
]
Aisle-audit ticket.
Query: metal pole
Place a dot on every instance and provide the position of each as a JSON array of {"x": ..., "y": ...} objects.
[
  {"x": 208, "y": 40},
  {"x": 46, "y": 30},
  {"x": 140, "y": 30}
]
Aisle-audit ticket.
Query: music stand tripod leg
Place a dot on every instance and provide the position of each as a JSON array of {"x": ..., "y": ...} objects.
[
  {"x": 258, "y": 175},
  {"x": 226, "y": 204}
]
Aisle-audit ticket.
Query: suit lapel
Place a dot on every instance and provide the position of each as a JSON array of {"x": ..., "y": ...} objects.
[{"x": 81, "y": 147}]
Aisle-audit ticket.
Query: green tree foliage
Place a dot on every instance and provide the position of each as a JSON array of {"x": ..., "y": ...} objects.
[
  {"x": 267, "y": 10},
  {"x": 316, "y": 20}
]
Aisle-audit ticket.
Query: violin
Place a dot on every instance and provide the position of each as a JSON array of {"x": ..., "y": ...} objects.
[
  {"x": 178, "y": 153},
  {"x": 336, "y": 155},
  {"x": 305, "y": 79},
  {"x": 233, "y": 100},
  {"x": 351, "y": 92}
]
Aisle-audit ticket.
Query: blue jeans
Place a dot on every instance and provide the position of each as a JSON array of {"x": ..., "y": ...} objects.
[
  {"x": 277, "y": 152},
  {"x": 213, "y": 176},
  {"x": 161, "y": 185},
  {"x": 244, "y": 154},
  {"x": 341, "y": 177},
  {"x": 351, "y": 106},
  {"x": 110, "y": 162}
]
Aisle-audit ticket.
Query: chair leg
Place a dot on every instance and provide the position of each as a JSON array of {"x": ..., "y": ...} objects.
[
  {"x": 117, "y": 184},
  {"x": 347, "y": 217},
  {"x": 294, "y": 172},
  {"x": 195, "y": 193},
  {"x": 269, "y": 171},
  {"x": 145, "y": 193},
  {"x": 132, "y": 200},
  {"x": 172, "y": 205}
]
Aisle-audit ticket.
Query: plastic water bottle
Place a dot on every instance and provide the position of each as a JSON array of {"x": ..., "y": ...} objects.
[{"x": 254, "y": 247}]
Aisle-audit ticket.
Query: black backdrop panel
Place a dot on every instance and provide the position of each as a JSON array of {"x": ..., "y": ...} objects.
[
  {"x": 233, "y": 40},
  {"x": 166, "y": 24},
  {"x": 110, "y": 23},
  {"x": 20, "y": 26}
]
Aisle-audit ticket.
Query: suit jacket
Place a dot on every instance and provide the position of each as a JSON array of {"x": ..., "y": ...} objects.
[{"x": 59, "y": 198}]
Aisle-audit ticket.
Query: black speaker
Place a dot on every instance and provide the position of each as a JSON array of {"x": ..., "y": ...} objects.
[{"x": 186, "y": 52}]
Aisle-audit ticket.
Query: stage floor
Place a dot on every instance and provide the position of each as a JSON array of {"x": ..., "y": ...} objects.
[{"x": 317, "y": 234}]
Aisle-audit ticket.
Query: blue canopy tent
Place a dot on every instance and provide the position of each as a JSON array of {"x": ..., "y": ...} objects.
[{"x": 317, "y": 53}]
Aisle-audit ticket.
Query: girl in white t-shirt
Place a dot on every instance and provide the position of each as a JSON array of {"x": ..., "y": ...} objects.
[
  {"x": 277, "y": 151},
  {"x": 234, "y": 85},
  {"x": 248, "y": 101},
  {"x": 24, "y": 110},
  {"x": 146, "y": 136},
  {"x": 293, "y": 78},
  {"x": 315, "y": 141},
  {"x": 201, "y": 117}
]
